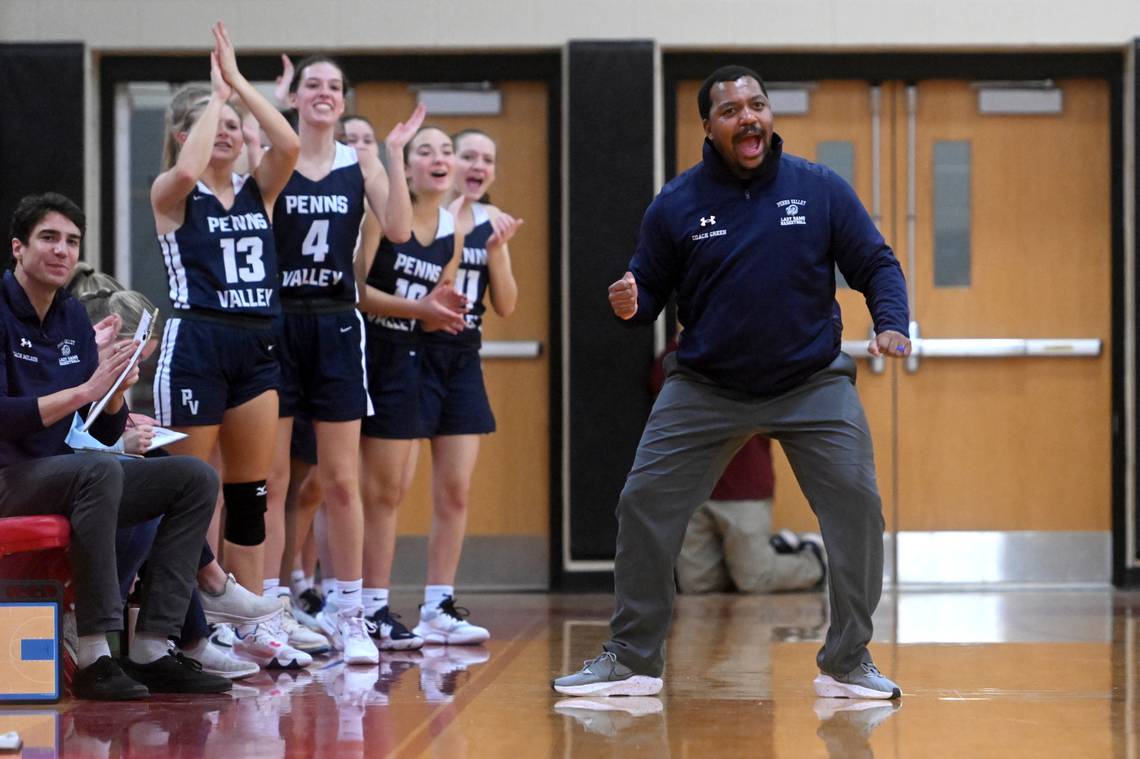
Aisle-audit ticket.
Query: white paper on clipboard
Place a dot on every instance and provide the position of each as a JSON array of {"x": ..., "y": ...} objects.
[{"x": 142, "y": 334}]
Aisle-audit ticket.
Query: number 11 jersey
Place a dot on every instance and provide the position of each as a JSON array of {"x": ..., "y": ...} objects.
[{"x": 223, "y": 260}]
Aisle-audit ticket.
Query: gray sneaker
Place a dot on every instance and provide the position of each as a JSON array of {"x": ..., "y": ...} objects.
[
  {"x": 606, "y": 676},
  {"x": 865, "y": 681}
]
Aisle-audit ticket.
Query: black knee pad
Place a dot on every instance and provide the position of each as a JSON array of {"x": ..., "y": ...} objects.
[{"x": 245, "y": 512}]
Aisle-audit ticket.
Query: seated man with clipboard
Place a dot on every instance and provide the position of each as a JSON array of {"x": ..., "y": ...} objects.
[{"x": 51, "y": 369}]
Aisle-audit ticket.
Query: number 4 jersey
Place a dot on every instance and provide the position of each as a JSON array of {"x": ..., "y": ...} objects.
[
  {"x": 316, "y": 225},
  {"x": 223, "y": 260}
]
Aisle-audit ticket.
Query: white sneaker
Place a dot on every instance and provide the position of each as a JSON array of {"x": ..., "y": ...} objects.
[
  {"x": 307, "y": 620},
  {"x": 263, "y": 645},
  {"x": 237, "y": 605},
  {"x": 350, "y": 635},
  {"x": 297, "y": 635},
  {"x": 220, "y": 662},
  {"x": 445, "y": 625},
  {"x": 222, "y": 635},
  {"x": 390, "y": 633}
]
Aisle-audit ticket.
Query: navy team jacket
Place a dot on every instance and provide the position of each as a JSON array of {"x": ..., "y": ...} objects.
[
  {"x": 41, "y": 359},
  {"x": 752, "y": 262}
]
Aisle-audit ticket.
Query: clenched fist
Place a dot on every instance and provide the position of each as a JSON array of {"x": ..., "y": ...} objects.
[{"x": 623, "y": 297}]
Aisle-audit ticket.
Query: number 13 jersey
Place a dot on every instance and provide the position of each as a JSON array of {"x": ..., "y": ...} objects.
[{"x": 223, "y": 260}]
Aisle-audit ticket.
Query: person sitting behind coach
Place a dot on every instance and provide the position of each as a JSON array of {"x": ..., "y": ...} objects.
[
  {"x": 52, "y": 368},
  {"x": 728, "y": 544}
]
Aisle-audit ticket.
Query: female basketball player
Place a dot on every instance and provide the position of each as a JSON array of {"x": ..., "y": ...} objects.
[
  {"x": 320, "y": 335},
  {"x": 425, "y": 263},
  {"x": 453, "y": 397},
  {"x": 217, "y": 375}
]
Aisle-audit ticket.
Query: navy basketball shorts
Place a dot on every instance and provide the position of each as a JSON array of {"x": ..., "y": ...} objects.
[
  {"x": 322, "y": 365},
  {"x": 453, "y": 397},
  {"x": 394, "y": 384},
  {"x": 303, "y": 445},
  {"x": 207, "y": 367}
]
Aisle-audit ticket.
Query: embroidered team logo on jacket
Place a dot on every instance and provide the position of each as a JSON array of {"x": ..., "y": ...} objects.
[
  {"x": 792, "y": 208},
  {"x": 66, "y": 356}
]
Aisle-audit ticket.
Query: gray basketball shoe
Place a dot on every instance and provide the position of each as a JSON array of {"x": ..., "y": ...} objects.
[
  {"x": 606, "y": 676},
  {"x": 865, "y": 681}
]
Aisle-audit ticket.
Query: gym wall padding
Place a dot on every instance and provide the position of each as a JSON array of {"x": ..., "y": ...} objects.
[
  {"x": 611, "y": 173},
  {"x": 41, "y": 132}
]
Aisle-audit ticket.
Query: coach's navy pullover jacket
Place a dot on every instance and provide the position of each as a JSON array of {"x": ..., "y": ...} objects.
[
  {"x": 41, "y": 359},
  {"x": 753, "y": 265}
]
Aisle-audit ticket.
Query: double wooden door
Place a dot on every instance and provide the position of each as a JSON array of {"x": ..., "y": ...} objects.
[{"x": 1000, "y": 214}]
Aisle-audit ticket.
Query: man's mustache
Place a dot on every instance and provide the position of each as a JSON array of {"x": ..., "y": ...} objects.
[{"x": 746, "y": 132}]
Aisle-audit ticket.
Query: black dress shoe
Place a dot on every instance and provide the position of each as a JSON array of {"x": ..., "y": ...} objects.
[
  {"x": 104, "y": 680},
  {"x": 176, "y": 673}
]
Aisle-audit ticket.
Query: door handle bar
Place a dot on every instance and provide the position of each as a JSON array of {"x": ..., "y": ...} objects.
[
  {"x": 511, "y": 349},
  {"x": 1000, "y": 347}
]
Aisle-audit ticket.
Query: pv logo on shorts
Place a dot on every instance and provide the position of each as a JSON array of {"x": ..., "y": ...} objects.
[{"x": 188, "y": 400}]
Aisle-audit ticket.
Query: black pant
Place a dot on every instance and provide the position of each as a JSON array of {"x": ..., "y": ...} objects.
[{"x": 100, "y": 493}]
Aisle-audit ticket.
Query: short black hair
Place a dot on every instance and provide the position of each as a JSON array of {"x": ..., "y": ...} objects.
[
  {"x": 32, "y": 209},
  {"x": 723, "y": 74}
]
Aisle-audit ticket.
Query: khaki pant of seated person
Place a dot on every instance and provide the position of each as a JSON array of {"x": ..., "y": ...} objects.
[{"x": 726, "y": 547}]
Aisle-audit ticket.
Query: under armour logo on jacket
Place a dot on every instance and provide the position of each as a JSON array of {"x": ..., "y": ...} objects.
[
  {"x": 707, "y": 221},
  {"x": 25, "y": 342}
]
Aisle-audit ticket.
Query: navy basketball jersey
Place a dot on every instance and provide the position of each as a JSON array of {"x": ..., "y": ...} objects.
[
  {"x": 316, "y": 225},
  {"x": 471, "y": 278},
  {"x": 410, "y": 270},
  {"x": 223, "y": 260}
]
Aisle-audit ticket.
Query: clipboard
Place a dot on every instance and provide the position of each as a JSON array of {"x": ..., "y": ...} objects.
[{"x": 142, "y": 334}]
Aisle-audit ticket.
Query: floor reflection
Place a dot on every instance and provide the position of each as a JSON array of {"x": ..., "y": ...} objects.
[
  {"x": 846, "y": 725},
  {"x": 1040, "y": 675}
]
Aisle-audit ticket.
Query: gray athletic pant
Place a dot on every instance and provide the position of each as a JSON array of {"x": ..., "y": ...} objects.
[
  {"x": 695, "y": 428},
  {"x": 99, "y": 493}
]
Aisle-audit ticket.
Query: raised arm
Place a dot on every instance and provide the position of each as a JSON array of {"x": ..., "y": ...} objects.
[
  {"x": 170, "y": 188},
  {"x": 276, "y": 165},
  {"x": 387, "y": 190}
]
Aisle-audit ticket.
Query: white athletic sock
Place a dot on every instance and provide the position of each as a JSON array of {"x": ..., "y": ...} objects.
[
  {"x": 269, "y": 586},
  {"x": 91, "y": 647},
  {"x": 434, "y": 595},
  {"x": 375, "y": 599},
  {"x": 298, "y": 582},
  {"x": 348, "y": 600},
  {"x": 148, "y": 647}
]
